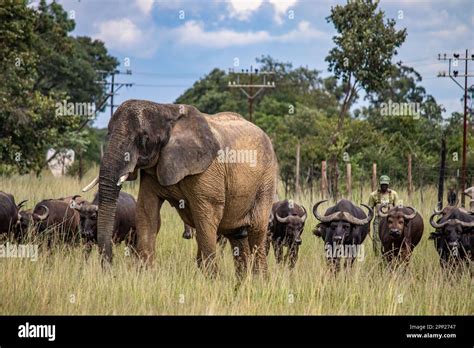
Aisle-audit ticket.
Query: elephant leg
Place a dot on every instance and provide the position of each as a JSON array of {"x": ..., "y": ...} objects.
[
  {"x": 267, "y": 244},
  {"x": 241, "y": 252},
  {"x": 257, "y": 239},
  {"x": 148, "y": 220},
  {"x": 206, "y": 237}
]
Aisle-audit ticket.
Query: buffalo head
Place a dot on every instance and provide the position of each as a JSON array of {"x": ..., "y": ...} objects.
[
  {"x": 397, "y": 219},
  {"x": 294, "y": 225},
  {"x": 341, "y": 223}
]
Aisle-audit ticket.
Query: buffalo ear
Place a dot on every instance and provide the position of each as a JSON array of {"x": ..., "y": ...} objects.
[
  {"x": 318, "y": 230},
  {"x": 190, "y": 150}
]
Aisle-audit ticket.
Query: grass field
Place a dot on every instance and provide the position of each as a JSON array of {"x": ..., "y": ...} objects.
[{"x": 63, "y": 282}]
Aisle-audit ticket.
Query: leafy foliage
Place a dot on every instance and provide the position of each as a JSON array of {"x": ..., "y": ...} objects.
[{"x": 41, "y": 65}]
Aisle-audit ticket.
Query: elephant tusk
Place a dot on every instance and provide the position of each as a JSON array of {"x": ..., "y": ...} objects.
[
  {"x": 122, "y": 179},
  {"x": 91, "y": 185}
]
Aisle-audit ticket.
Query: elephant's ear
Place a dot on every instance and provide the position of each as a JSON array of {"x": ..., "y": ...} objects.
[{"x": 190, "y": 150}]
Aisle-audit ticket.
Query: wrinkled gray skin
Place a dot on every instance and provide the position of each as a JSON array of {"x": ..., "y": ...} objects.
[
  {"x": 175, "y": 148},
  {"x": 285, "y": 229}
]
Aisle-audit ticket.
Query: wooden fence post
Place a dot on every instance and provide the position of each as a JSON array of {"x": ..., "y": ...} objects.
[
  {"x": 374, "y": 176},
  {"x": 349, "y": 181},
  {"x": 410, "y": 182},
  {"x": 324, "y": 180},
  {"x": 297, "y": 181}
]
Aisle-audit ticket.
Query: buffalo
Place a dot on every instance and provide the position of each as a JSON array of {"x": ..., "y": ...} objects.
[
  {"x": 400, "y": 231},
  {"x": 453, "y": 237},
  {"x": 284, "y": 230},
  {"x": 36, "y": 217},
  {"x": 124, "y": 227},
  {"x": 56, "y": 220},
  {"x": 9, "y": 213},
  {"x": 343, "y": 228}
]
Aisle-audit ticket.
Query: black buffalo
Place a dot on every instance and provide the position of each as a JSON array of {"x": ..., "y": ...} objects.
[
  {"x": 9, "y": 213},
  {"x": 453, "y": 236},
  {"x": 343, "y": 228},
  {"x": 53, "y": 220},
  {"x": 285, "y": 229},
  {"x": 124, "y": 226},
  {"x": 400, "y": 231}
]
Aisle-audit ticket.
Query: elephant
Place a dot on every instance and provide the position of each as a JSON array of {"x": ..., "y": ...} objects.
[{"x": 218, "y": 171}]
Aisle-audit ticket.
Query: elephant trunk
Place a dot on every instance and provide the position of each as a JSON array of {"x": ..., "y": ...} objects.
[{"x": 110, "y": 167}]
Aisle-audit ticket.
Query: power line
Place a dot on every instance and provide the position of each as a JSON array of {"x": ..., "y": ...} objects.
[
  {"x": 175, "y": 75},
  {"x": 248, "y": 88},
  {"x": 159, "y": 86},
  {"x": 453, "y": 62}
]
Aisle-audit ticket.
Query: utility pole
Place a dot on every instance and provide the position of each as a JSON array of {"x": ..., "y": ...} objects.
[
  {"x": 453, "y": 75},
  {"x": 248, "y": 88},
  {"x": 113, "y": 85}
]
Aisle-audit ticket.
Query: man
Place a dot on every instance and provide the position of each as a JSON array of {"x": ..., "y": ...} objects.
[
  {"x": 452, "y": 185},
  {"x": 470, "y": 193},
  {"x": 383, "y": 196}
]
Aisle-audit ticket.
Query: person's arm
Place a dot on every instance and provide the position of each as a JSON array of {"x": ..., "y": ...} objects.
[
  {"x": 395, "y": 199},
  {"x": 371, "y": 202}
]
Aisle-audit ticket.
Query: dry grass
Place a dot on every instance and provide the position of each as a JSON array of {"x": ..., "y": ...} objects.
[{"x": 63, "y": 282}]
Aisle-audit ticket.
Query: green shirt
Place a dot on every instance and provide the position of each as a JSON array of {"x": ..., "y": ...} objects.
[{"x": 377, "y": 197}]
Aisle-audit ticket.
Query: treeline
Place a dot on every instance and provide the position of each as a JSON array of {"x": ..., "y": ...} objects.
[
  {"x": 42, "y": 68},
  {"x": 304, "y": 107},
  {"x": 317, "y": 115},
  {"x": 42, "y": 65}
]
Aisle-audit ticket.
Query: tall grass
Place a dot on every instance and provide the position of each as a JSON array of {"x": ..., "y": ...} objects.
[{"x": 62, "y": 281}]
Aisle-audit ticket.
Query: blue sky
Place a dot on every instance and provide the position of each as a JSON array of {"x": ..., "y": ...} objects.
[{"x": 172, "y": 43}]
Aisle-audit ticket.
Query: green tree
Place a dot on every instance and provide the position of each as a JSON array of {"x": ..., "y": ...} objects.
[
  {"x": 40, "y": 66},
  {"x": 365, "y": 44}
]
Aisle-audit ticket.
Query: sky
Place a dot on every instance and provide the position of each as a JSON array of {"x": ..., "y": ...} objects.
[{"x": 169, "y": 44}]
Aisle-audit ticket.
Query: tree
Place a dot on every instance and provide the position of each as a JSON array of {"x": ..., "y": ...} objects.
[
  {"x": 365, "y": 45},
  {"x": 42, "y": 65}
]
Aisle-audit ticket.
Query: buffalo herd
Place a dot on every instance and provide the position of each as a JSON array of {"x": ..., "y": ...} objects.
[{"x": 343, "y": 228}]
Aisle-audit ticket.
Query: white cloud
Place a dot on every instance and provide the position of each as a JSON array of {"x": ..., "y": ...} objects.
[
  {"x": 144, "y": 6},
  {"x": 303, "y": 32},
  {"x": 281, "y": 7},
  {"x": 451, "y": 32},
  {"x": 118, "y": 32},
  {"x": 243, "y": 9},
  {"x": 193, "y": 33},
  {"x": 125, "y": 36}
]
